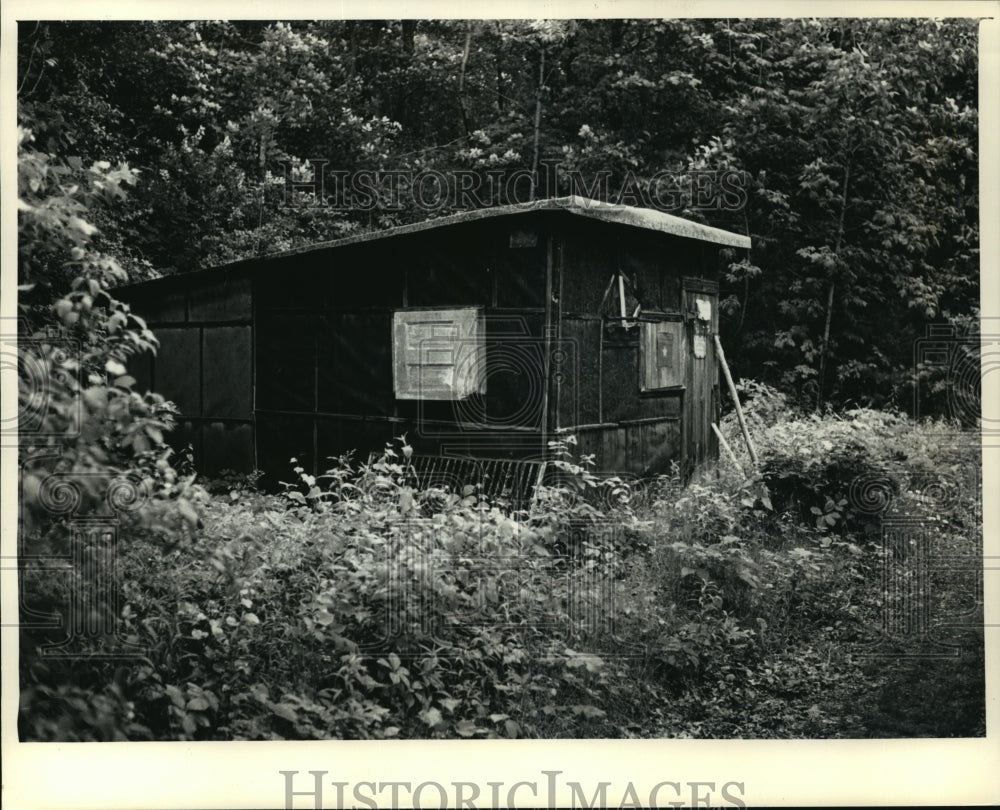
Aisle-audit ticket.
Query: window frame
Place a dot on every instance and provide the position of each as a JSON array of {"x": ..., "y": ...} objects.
[{"x": 649, "y": 331}]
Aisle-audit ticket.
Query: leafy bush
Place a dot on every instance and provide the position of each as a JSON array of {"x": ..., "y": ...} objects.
[
  {"x": 356, "y": 605},
  {"x": 331, "y": 613},
  {"x": 793, "y": 554},
  {"x": 91, "y": 447}
]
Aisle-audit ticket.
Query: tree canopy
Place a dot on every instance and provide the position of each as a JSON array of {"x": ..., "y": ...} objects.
[{"x": 856, "y": 140}]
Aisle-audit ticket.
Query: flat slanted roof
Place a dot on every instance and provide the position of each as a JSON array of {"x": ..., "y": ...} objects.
[
  {"x": 647, "y": 218},
  {"x": 651, "y": 219}
]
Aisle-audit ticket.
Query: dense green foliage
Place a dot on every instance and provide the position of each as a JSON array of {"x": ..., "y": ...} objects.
[
  {"x": 87, "y": 438},
  {"x": 353, "y": 606},
  {"x": 856, "y": 138}
]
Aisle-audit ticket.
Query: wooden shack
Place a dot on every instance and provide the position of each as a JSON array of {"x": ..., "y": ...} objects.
[{"x": 486, "y": 334}]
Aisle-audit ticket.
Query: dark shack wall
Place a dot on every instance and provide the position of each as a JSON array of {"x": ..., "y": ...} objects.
[
  {"x": 204, "y": 364},
  {"x": 626, "y": 428},
  {"x": 323, "y": 344},
  {"x": 292, "y": 356}
]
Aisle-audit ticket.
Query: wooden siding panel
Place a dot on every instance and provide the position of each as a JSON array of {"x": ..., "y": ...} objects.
[
  {"x": 642, "y": 448},
  {"x": 451, "y": 272},
  {"x": 443, "y": 284},
  {"x": 294, "y": 283},
  {"x": 355, "y": 363},
  {"x": 363, "y": 436},
  {"x": 140, "y": 366},
  {"x": 157, "y": 303},
  {"x": 227, "y": 370},
  {"x": 520, "y": 276},
  {"x": 281, "y": 437},
  {"x": 580, "y": 390},
  {"x": 177, "y": 369},
  {"x": 223, "y": 300},
  {"x": 661, "y": 444},
  {"x": 620, "y": 381},
  {"x": 514, "y": 370},
  {"x": 226, "y": 446},
  {"x": 589, "y": 261},
  {"x": 670, "y": 290},
  {"x": 641, "y": 259},
  {"x": 703, "y": 373},
  {"x": 186, "y": 434},
  {"x": 364, "y": 279},
  {"x": 286, "y": 361}
]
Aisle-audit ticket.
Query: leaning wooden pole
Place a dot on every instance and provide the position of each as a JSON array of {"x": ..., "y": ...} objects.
[
  {"x": 736, "y": 400},
  {"x": 727, "y": 448}
]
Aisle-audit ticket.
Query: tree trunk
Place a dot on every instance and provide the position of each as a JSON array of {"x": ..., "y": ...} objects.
[
  {"x": 352, "y": 40},
  {"x": 831, "y": 288},
  {"x": 409, "y": 31},
  {"x": 538, "y": 121},
  {"x": 462, "y": 101},
  {"x": 746, "y": 279}
]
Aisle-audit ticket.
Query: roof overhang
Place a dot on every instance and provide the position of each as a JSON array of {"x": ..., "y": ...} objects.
[{"x": 650, "y": 219}]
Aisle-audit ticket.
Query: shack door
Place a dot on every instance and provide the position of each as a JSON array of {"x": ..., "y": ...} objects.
[{"x": 700, "y": 308}]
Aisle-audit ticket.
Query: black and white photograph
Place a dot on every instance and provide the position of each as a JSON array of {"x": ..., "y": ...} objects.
[{"x": 499, "y": 379}]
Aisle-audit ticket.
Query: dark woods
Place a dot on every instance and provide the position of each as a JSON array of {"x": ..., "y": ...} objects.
[{"x": 855, "y": 139}]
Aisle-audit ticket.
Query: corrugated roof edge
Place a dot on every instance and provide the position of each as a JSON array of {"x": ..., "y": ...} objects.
[{"x": 647, "y": 218}]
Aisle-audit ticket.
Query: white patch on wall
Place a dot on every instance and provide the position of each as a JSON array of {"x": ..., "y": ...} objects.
[
  {"x": 438, "y": 354},
  {"x": 704, "y": 309},
  {"x": 700, "y": 346}
]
